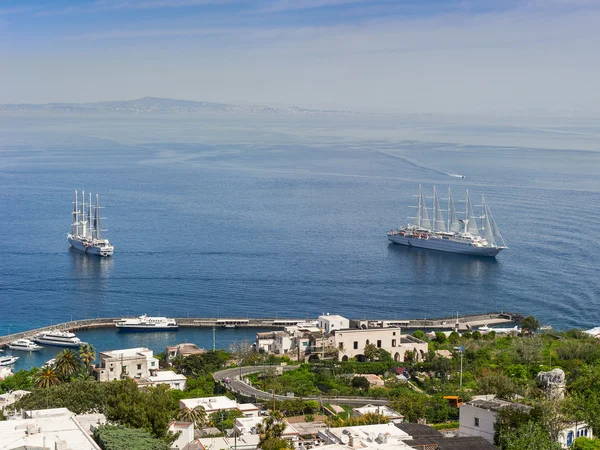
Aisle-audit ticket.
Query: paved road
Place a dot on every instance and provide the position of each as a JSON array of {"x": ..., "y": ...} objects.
[{"x": 238, "y": 386}]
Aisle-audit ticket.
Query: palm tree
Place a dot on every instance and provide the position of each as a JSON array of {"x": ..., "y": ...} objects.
[
  {"x": 196, "y": 415},
  {"x": 46, "y": 378},
  {"x": 271, "y": 428},
  {"x": 87, "y": 354},
  {"x": 67, "y": 364}
]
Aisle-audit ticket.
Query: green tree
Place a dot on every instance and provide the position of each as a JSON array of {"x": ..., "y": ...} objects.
[
  {"x": 196, "y": 415},
  {"x": 476, "y": 335},
  {"x": 118, "y": 437},
  {"x": 584, "y": 443},
  {"x": 371, "y": 352},
  {"x": 530, "y": 324},
  {"x": 360, "y": 383},
  {"x": 440, "y": 337},
  {"x": 454, "y": 337},
  {"x": 528, "y": 436},
  {"x": 420, "y": 334},
  {"x": 271, "y": 428},
  {"x": 23, "y": 379},
  {"x": 67, "y": 364},
  {"x": 46, "y": 378},
  {"x": 224, "y": 420},
  {"x": 87, "y": 354}
]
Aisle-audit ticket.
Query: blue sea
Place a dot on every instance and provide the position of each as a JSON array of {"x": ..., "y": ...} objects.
[{"x": 260, "y": 215}]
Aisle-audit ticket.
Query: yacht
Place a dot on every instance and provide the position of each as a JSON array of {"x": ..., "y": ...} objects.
[
  {"x": 146, "y": 323},
  {"x": 58, "y": 338},
  {"x": 8, "y": 360},
  {"x": 25, "y": 345}
]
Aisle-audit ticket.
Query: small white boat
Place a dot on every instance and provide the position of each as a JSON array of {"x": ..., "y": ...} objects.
[
  {"x": 484, "y": 328},
  {"x": 8, "y": 360},
  {"x": 50, "y": 363},
  {"x": 25, "y": 345}
]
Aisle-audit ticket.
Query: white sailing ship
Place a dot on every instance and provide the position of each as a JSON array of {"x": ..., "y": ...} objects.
[
  {"x": 86, "y": 232},
  {"x": 463, "y": 236}
]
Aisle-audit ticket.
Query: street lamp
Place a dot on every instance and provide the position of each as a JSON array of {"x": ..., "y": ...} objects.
[{"x": 461, "y": 350}]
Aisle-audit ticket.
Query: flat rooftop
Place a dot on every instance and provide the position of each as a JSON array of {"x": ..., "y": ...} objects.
[
  {"x": 49, "y": 429},
  {"x": 210, "y": 403},
  {"x": 496, "y": 405},
  {"x": 167, "y": 375},
  {"x": 128, "y": 352}
]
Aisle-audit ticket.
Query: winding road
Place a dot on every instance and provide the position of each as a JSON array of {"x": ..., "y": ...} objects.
[{"x": 238, "y": 386}]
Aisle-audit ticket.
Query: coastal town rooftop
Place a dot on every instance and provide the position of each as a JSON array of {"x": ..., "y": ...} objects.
[{"x": 128, "y": 353}]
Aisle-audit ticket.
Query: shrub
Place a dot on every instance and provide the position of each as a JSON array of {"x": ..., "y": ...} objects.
[{"x": 117, "y": 437}]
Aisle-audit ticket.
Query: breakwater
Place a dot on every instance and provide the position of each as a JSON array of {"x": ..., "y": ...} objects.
[{"x": 462, "y": 323}]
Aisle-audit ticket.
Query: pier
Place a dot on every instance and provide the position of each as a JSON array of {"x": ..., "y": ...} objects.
[{"x": 460, "y": 323}]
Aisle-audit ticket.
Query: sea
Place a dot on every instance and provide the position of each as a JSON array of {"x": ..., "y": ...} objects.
[{"x": 254, "y": 215}]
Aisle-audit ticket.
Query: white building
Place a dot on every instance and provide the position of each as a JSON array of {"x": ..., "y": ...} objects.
[
  {"x": 135, "y": 363},
  {"x": 248, "y": 425},
  {"x": 330, "y": 323},
  {"x": 10, "y": 397},
  {"x": 56, "y": 428},
  {"x": 245, "y": 442},
  {"x": 478, "y": 417},
  {"x": 383, "y": 436},
  {"x": 221, "y": 403},
  {"x": 393, "y": 416},
  {"x": 572, "y": 431},
  {"x": 187, "y": 434},
  {"x": 264, "y": 341},
  {"x": 352, "y": 343},
  {"x": 168, "y": 377},
  {"x": 183, "y": 350}
]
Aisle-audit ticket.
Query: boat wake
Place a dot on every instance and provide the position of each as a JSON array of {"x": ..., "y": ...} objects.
[{"x": 419, "y": 166}]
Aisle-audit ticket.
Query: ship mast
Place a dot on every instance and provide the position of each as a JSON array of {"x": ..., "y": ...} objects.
[
  {"x": 90, "y": 229},
  {"x": 75, "y": 224},
  {"x": 83, "y": 221},
  {"x": 97, "y": 220}
]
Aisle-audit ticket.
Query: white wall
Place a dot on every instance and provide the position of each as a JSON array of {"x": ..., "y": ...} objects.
[{"x": 467, "y": 427}]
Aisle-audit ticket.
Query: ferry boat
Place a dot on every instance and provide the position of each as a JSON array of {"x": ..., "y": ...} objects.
[
  {"x": 86, "y": 232},
  {"x": 8, "y": 360},
  {"x": 25, "y": 345},
  {"x": 58, "y": 338},
  {"x": 455, "y": 236},
  {"x": 146, "y": 323}
]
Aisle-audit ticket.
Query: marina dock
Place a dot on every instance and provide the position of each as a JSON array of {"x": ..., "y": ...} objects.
[{"x": 460, "y": 323}]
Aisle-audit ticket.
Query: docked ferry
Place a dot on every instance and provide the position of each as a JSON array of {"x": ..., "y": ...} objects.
[
  {"x": 146, "y": 323},
  {"x": 58, "y": 338}
]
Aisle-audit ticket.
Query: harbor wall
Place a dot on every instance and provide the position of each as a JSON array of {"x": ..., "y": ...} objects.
[{"x": 449, "y": 323}]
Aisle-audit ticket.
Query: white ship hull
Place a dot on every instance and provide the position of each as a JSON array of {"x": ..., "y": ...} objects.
[
  {"x": 444, "y": 245},
  {"x": 58, "y": 343},
  {"x": 24, "y": 349},
  {"x": 92, "y": 250},
  {"x": 122, "y": 327}
]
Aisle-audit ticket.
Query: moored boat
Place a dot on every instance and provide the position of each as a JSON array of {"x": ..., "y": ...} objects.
[
  {"x": 452, "y": 235},
  {"x": 25, "y": 345},
  {"x": 147, "y": 323},
  {"x": 8, "y": 360},
  {"x": 58, "y": 338}
]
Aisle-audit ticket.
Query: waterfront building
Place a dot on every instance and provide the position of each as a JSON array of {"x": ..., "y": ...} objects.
[
  {"x": 329, "y": 323},
  {"x": 221, "y": 403},
  {"x": 183, "y": 350},
  {"x": 382, "y": 436},
  {"x": 137, "y": 363},
  {"x": 393, "y": 416},
  {"x": 168, "y": 377},
  {"x": 352, "y": 343},
  {"x": 56, "y": 428},
  {"x": 295, "y": 340}
]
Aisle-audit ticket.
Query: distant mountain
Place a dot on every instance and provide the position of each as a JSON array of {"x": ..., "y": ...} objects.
[{"x": 161, "y": 105}]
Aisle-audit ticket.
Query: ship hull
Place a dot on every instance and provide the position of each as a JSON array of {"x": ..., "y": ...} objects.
[
  {"x": 24, "y": 349},
  {"x": 93, "y": 250},
  {"x": 57, "y": 344},
  {"x": 144, "y": 328},
  {"x": 445, "y": 246}
]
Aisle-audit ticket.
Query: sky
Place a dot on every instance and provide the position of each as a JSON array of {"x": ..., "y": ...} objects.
[{"x": 532, "y": 57}]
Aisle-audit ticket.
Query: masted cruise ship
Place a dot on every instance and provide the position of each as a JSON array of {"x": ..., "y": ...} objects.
[
  {"x": 86, "y": 232},
  {"x": 146, "y": 323},
  {"x": 463, "y": 236}
]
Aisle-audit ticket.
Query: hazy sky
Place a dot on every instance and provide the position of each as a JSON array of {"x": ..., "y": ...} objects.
[{"x": 440, "y": 56}]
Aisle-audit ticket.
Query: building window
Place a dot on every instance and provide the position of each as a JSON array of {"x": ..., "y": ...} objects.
[
  {"x": 341, "y": 346},
  {"x": 176, "y": 385},
  {"x": 139, "y": 367},
  {"x": 111, "y": 369},
  {"x": 355, "y": 345},
  {"x": 393, "y": 342},
  {"x": 394, "y": 333},
  {"x": 378, "y": 344},
  {"x": 476, "y": 421}
]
